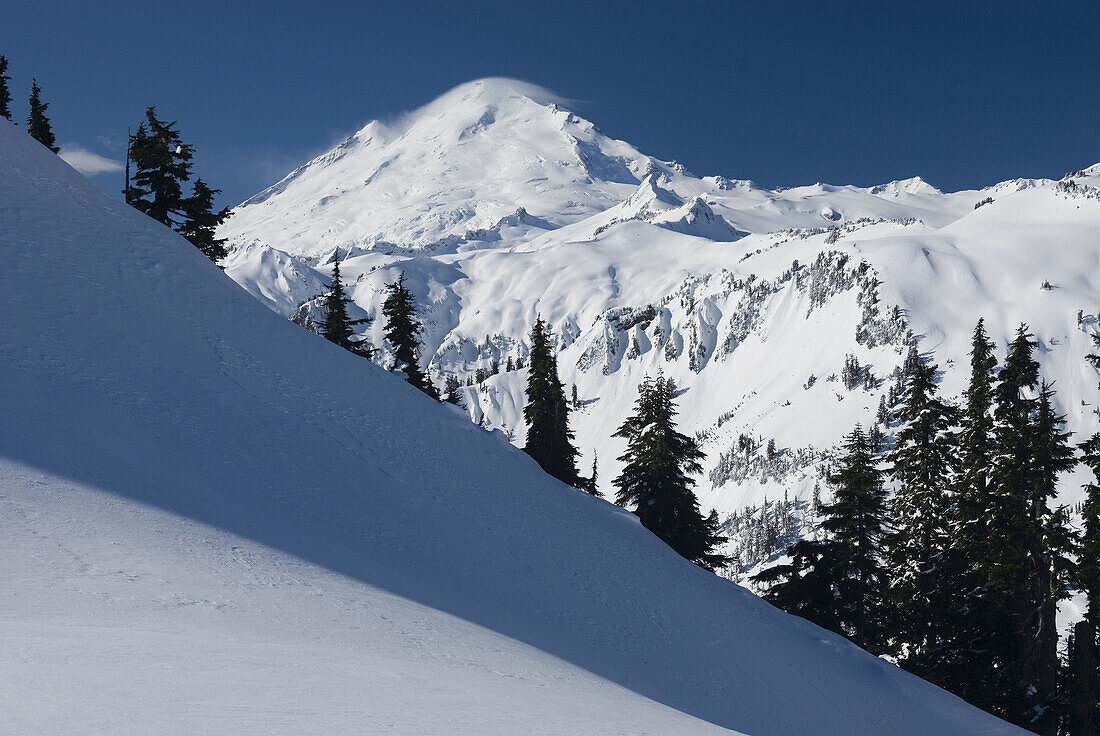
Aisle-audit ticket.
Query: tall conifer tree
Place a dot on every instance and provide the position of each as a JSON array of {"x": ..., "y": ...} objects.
[
  {"x": 162, "y": 162},
  {"x": 1024, "y": 560},
  {"x": 1001, "y": 601},
  {"x": 970, "y": 666},
  {"x": 918, "y": 546},
  {"x": 1006, "y": 562},
  {"x": 403, "y": 333},
  {"x": 38, "y": 125},
  {"x": 656, "y": 479},
  {"x": 1051, "y": 544},
  {"x": 840, "y": 582},
  {"x": 1084, "y": 659},
  {"x": 855, "y": 522},
  {"x": 452, "y": 391},
  {"x": 546, "y": 414},
  {"x": 200, "y": 221},
  {"x": 338, "y": 326},
  {"x": 5, "y": 91}
]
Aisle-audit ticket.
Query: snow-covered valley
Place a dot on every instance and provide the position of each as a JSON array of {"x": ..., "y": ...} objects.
[
  {"x": 499, "y": 205},
  {"x": 215, "y": 521}
]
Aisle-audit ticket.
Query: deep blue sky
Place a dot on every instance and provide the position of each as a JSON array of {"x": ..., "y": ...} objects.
[{"x": 962, "y": 93}]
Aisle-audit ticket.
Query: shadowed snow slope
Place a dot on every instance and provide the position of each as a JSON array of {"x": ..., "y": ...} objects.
[{"x": 215, "y": 520}]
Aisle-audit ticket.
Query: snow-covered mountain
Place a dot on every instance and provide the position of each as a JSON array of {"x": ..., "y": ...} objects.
[
  {"x": 215, "y": 521},
  {"x": 498, "y": 205}
]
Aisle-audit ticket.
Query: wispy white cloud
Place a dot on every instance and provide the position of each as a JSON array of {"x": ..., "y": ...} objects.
[{"x": 86, "y": 162}]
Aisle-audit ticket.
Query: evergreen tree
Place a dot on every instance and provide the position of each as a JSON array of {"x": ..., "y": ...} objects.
[
  {"x": 137, "y": 142},
  {"x": 969, "y": 668},
  {"x": 403, "y": 333},
  {"x": 1084, "y": 662},
  {"x": 1081, "y": 686},
  {"x": 656, "y": 477},
  {"x": 997, "y": 541},
  {"x": 200, "y": 221},
  {"x": 1020, "y": 561},
  {"x": 876, "y": 439},
  {"x": 921, "y": 465},
  {"x": 126, "y": 189},
  {"x": 546, "y": 414},
  {"x": 5, "y": 93},
  {"x": 839, "y": 582},
  {"x": 806, "y": 585},
  {"x": 38, "y": 125},
  {"x": 851, "y": 372},
  {"x": 855, "y": 523},
  {"x": 161, "y": 163},
  {"x": 452, "y": 391},
  {"x": 976, "y": 446},
  {"x": 1005, "y": 562},
  {"x": 1051, "y": 544},
  {"x": 338, "y": 326},
  {"x": 883, "y": 415}
]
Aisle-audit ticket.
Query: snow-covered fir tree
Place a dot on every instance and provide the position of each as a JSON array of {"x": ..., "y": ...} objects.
[
  {"x": 452, "y": 391},
  {"x": 1084, "y": 662},
  {"x": 921, "y": 465},
  {"x": 403, "y": 333},
  {"x": 546, "y": 413},
  {"x": 338, "y": 327},
  {"x": 656, "y": 482},
  {"x": 840, "y": 582},
  {"x": 1051, "y": 547},
  {"x": 972, "y": 677}
]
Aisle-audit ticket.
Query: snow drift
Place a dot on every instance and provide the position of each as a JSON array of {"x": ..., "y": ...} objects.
[{"x": 197, "y": 493}]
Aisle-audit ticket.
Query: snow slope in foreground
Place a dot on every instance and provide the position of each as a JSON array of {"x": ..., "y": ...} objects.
[
  {"x": 122, "y": 618},
  {"x": 214, "y": 518}
]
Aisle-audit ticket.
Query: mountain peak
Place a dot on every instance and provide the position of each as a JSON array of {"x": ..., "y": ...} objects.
[
  {"x": 912, "y": 185},
  {"x": 478, "y": 99},
  {"x": 446, "y": 174}
]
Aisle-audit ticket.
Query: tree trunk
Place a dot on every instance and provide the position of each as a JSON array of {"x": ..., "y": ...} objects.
[{"x": 1082, "y": 671}]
